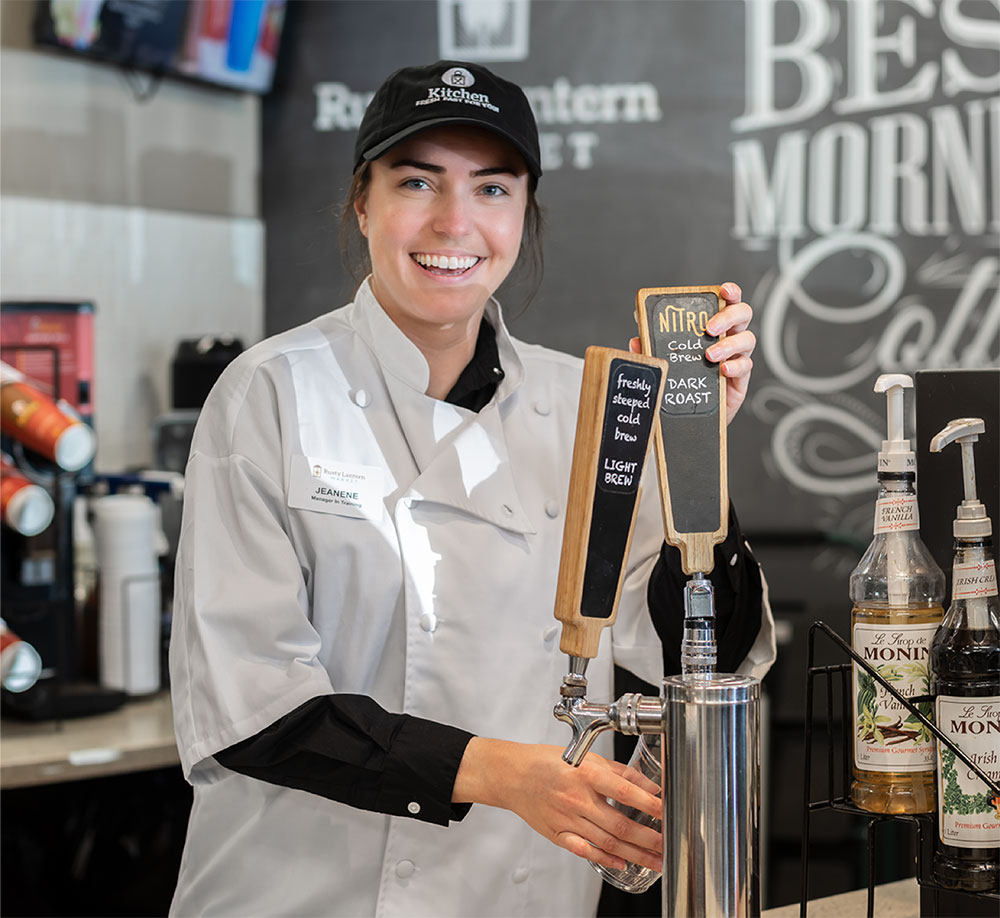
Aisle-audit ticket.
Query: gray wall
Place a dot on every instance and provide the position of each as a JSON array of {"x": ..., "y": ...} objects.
[
  {"x": 74, "y": 130},
  {"x": 148, "y": 208}
]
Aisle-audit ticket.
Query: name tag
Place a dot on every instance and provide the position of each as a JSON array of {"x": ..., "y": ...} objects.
[{"x": 335, "y": 487}]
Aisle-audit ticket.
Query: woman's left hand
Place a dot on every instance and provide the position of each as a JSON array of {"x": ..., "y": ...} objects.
[{"x": 733, "y": 352}]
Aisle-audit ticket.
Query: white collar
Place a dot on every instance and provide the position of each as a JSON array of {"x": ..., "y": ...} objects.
[{"x": 399, "y": 356}]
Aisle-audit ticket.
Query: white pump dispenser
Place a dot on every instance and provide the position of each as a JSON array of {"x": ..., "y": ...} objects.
[
  {"x": 895, "y": 455},
  {"x": 971, "y": 521}
]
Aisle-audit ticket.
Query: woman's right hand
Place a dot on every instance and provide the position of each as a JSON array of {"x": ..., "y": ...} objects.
[{"x": 566, "y": 805}]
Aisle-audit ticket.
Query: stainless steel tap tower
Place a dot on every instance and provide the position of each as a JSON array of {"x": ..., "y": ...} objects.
[{"x": 709, "y": 721}]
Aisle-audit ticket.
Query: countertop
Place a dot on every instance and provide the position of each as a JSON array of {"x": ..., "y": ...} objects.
[
  {"x": 892, "y": 900},
  {"x": 136, "y": 737}
]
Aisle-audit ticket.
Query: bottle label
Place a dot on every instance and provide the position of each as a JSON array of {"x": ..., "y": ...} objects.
[
  {"x": 888, "y": 737},
  {"x": 896, "y": 514},
  {"x": 968, "y": 817},
  {"x": 970, "y": 581}
]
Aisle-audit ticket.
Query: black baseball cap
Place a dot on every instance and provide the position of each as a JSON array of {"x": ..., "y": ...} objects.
[{"x": 448, "y": 92}]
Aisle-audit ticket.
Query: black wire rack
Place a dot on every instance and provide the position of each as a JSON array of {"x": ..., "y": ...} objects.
[{"x": 839, "y": 771}]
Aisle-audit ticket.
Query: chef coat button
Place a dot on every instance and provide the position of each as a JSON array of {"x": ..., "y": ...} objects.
[
  {"x": 428, "y": 621},
  {"x": 405, "y": 869},
  {"x": 549, "y": 634},
  {"x": 413, "y": 807},
  {"x": 542, "y": 408},
  {"x": 552, "y": 508},
  {"x": 734, "y": 559},
  {"x": 507, "y": 509},
  {"x": 520, "y": 875},
  {"x": 362, "y": 399}
]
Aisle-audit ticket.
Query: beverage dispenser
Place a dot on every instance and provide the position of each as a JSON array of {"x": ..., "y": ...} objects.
[{"x": 708, "y": 722}]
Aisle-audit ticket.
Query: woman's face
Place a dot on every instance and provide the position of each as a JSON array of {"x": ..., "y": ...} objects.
[{"x": 443, "y": 216}]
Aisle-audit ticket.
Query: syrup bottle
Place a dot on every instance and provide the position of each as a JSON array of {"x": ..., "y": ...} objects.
[
  {"x": 897, "y": 590},
  {"x": 965, "y": 681}
]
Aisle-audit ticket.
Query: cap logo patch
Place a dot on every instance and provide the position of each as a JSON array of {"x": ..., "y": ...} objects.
[
  {"x": 458, "y": 76},
  {"x": 457, "y": 81}
]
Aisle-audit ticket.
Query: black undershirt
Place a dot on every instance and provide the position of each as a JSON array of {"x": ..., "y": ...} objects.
[{"x": 349, "y": 749}]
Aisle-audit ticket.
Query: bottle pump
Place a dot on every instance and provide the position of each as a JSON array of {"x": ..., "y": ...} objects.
[
  {"x": 709, "y": 722},
  {"x": 971, "y": 521}
]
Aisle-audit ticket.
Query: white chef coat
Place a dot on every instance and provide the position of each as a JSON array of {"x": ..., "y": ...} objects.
[{"x": 439, "y": 603}]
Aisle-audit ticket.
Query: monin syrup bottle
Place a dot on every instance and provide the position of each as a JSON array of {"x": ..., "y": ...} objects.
[
  {"x": 897, "y": 591},
  {"x": 965, "y": 681}
]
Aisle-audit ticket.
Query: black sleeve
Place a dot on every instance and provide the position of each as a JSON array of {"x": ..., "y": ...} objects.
[
  {"x": 738, "y": 598},
  {"x": 349, "y": 749}
]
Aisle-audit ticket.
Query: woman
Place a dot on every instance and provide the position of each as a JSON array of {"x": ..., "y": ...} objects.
[{"x": 372, "y": 524}]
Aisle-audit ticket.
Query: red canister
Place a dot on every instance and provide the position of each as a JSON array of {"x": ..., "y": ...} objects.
[
  {"x": 20, "y": 665},
  {"x": 24, "y": 506},
  {"x": 30, "y": 416}
]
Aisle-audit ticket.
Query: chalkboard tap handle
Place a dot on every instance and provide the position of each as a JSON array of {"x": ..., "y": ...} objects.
[
  {"x": 691, "y": 455},
  {"x": 619, "y": 397}
]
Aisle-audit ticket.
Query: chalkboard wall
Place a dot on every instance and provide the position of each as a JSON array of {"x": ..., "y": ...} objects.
[{"x": 846, "y": 179}]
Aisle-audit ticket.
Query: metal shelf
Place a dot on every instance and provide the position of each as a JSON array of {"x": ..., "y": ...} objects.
[{"x": 840, "y": 725}]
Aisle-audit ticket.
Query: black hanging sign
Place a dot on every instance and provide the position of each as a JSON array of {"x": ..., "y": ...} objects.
[
  {"x": 629, "y": 410},
  {"x": 689, "y": 415}
]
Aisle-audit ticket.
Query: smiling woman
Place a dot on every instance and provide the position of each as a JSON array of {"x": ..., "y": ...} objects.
[
  {"x": 356, "y": 251},
  {"x": 443, "y": 215},
  {"x": 363, "y": 643}
]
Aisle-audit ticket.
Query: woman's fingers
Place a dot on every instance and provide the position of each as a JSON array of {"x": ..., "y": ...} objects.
[
  {"x": 731, "y": 292},
  {"x": 615, "y": 833},
  {"x": 631, "y": 789},
  {"x": 610, "y": 837},
  {"x": 638, "y": 778},
  {"x": 738, "y": 368},
  {"x": 740, "y": 344},
  {"x": 578, "y": 845},
  {"x": 732, "y": 318}
]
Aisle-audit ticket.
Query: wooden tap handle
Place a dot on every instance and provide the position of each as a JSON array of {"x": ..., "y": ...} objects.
[
  {"x": 691, "y": 453},
  {"x": 618, "y": 399}
]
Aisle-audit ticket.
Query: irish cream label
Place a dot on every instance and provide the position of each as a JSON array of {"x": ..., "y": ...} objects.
[
  {"x": 970, "y": 581},
  {"x": 896, "y": 514},
  {"x": 887, "y": 737},
  {"x": 968, "y": 815}
]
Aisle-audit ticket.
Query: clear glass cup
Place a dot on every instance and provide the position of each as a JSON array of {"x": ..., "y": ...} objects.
[{"x": 646, "y": 760}]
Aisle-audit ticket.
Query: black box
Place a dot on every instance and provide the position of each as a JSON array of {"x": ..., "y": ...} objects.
[{"x": 943, "y": 396}]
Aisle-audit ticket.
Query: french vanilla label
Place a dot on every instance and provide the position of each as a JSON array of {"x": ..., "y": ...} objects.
[
  {"x": 888, "y": 737},
  {"x": 896, "y": 514},
  {"x": 968, "y": 815},
  {"x": 969, "y": 581}
]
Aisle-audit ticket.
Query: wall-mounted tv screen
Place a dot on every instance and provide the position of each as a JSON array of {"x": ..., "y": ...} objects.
[{"x": 230, "y": 43}]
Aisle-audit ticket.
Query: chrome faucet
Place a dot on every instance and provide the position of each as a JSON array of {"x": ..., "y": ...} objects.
[{"x": 631, "y": 714}]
